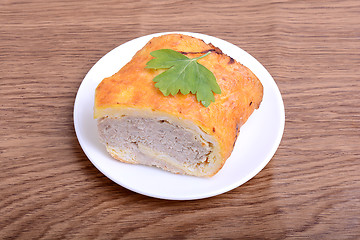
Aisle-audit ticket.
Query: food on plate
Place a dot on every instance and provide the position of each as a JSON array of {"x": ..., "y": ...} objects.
[{"x": 139, "y": 124}]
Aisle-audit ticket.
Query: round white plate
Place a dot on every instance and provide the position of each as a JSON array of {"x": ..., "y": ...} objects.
[{"x": 258, "y": 140}]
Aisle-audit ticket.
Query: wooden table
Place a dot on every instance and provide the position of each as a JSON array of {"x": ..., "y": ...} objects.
[{"x": 311, "y": 187}]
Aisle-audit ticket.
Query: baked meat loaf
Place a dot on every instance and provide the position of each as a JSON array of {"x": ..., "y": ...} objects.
[{"x": 139, "y": 125}]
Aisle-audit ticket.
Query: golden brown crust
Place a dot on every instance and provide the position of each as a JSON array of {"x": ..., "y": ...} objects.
[{"x": 241, "y": 91}]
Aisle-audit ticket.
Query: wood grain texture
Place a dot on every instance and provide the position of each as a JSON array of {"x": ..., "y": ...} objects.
[{"x": 310, "y": 189}]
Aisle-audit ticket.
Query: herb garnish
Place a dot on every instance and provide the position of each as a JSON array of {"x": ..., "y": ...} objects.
[{"x": 184, "y": 74}]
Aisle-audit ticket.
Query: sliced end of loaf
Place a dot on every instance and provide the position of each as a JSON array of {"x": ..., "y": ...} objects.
[{"x": 161, "y": 140}]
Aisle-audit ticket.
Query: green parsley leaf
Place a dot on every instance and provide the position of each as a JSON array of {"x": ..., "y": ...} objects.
[{"x": 184, "y": 74}]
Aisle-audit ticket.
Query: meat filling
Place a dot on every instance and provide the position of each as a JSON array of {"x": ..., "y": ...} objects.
[{"x": 159, "y": 135}]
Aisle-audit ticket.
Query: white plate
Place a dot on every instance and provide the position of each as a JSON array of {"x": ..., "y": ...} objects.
[{"x": 257, "y": 142}]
